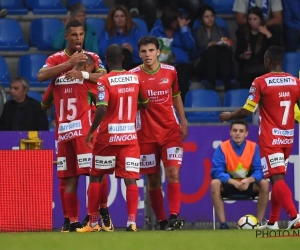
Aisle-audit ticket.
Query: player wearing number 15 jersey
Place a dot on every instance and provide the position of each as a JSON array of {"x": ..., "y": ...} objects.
[{"x": 275, "y": 94}]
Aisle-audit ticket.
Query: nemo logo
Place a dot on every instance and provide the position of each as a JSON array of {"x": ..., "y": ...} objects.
[
  {"x": 135, "y": 78},
  {"x": 293, "y": 79}
]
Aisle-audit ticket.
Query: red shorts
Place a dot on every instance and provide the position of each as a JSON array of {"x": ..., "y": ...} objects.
[
  {"x": 170, "y": 152},
  {"x": 124, "y": 160},
  {"x": 74, "y": 158},
  {"x": 274, "y": 160}
]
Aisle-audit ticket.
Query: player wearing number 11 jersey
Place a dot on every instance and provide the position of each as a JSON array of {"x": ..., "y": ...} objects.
[{"x": 275, "y": 94}]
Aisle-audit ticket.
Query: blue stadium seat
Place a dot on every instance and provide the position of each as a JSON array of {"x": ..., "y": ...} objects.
[
  {"x": 46, "y": 7},
  {"x": 92, "y": 6},
  {"x": 29, "y": 66},
  {"x": 11, "y": 36},
  {"x": 219, "y": 21},
  {"x": 4, "y": 73},
  {"x": 43, "y": 31},
  {"x": 35, "y": 95},
  {"x": 221, "y": 6},
  {"x": 97, "y": 24},
  {"x": 291, "y": 63},
  {"x": 14, "y": 7},
  {"x": 142, "y": 26},
  {"x": 202, "y": 98}
]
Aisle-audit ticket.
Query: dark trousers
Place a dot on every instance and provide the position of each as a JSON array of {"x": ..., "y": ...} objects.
[
  {"x": 184, "y": 72},
  {"x": 291, "y": 39}
]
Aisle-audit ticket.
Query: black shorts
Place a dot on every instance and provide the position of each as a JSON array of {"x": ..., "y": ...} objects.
[{"x": 229, "y": 191}]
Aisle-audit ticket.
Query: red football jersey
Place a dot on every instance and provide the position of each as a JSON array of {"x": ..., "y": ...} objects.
[
  {"x": 72, "y": 100},
  {"x": 62, "y": 56},
  {"x": 120, "y": 91},
  {"x": 158, "y": 122},
  {"x": 276, "y": 95}
]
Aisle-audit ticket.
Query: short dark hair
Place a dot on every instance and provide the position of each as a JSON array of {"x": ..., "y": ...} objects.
[
  {"x": 89, "y": 60},
  {"x": 114, "y": 53},
  {"x": 241, "y": 122},
  {"x": 205, "y": 8},
  {"x": 73, "y": 23},
  {"x": 76, "y": 8},
  {"x": 275, "y": 54},
  {"x": 147, "y": 40}
]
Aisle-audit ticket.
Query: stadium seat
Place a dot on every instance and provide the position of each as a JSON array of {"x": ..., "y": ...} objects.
[
  {"x": 35, "y": 95},
  {"x": 142, "y": 26},
  {"x": 14, "y": 7},
  {"x": 29, "y": 66},
  {"x": 4, "y": 73},
  {"x": 202, "y": 98},
  {"x": 221, "y": 6},
  {"x": 92, "y": 6},
  {"x": 291, "y": 63},
  {"x": 11, "y": 36},
  {"x": 43, "y": 31},
  {"x": 219, "y": 21},
  {"x": 46, "y": 7},
  {"x": 97, "y": 24}
]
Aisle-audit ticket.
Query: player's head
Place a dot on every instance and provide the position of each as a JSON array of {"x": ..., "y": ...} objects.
[
  {"x": 273, "y": 58},
  {"x": 88, "y": 65},
  {"x": 19, "y": 87},
  {"x": 74, "y": 35},
  {"x": 149, "y": 50},
  {"x": 114, "y": 55},
  {"x": 77, "y": 12},
  {"x": 238, "y": 131}
]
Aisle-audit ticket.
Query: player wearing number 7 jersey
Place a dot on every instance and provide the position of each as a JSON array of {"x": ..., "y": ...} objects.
[{"x": 276, "y": 94}]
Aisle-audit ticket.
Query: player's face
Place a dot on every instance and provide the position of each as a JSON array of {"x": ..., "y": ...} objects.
[
  {"x": 75, "y": 37},
  {"x": 238, "y": 133},
  {"x": 208, "y": 18},
  {"x": 254, "y": 21},
  {"x": 17, "y": 91},
  {"x": 149, "y": 54},
  {"x": 119, "y": 19},
  {"x": 80, "y": 17}
]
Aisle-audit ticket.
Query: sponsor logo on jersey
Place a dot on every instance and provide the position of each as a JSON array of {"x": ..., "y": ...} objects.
[
  {"x": 132, "y": 164},
  {"x": 100, "y": 64},
  {"x": 125, "y": 90},
  {"x": 138, "y": 120},
  {"x": 148, "y": 161},
  {"x": 252, "y": 90},
  {"x": 158, "y": 96},
  {"x": 84, "y": 160},
  {"x": 276, "y": 160},
  {"x": 174, "y": 153},
  {"x": 101, "y": 96},
  {"x": 105, "y": 162},
  {"x": 61, "y": 163},
  {"x": 280, "y": 81},
  {"x": 164, "y": 80},
  {"x": 135, "y": 69},
  {"x": 66, "y": 127},
  {"x": 121, "y": 128},
  {"x": 122, "y": 138},
  {"x": 284, "y": 94},
  {"x": 280, "y": 141},
  {"x": 289, "y": 132},
  {"x": 166, "y": 66},
  {"x": 123, "y": 79},
  {"x": 251, "y": 97},
  {"x": 264, "y": 164},
  {"x": 62, "y": 80},
  {"x": 69, "y": 135},
  {"x": 101, "y": 87}
]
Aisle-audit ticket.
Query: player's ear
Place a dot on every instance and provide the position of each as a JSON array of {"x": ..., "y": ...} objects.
[{"x": 158, "y": 52}]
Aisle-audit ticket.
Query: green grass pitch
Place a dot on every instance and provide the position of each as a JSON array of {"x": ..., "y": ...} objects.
[{"x": 147, "y": 240}]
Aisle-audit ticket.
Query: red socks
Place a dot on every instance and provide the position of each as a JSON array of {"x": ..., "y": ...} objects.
[
  {"x": 104, "y": 192},
  {"x": 174, "y": 197},
  {"x": 132, "y": 198},
  {"x": 94, "y": 198},
  {"x": 157, "y": 204}
]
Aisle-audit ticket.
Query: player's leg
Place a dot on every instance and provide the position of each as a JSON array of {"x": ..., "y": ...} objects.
[
  {"x": 262, "y": 187},
  {"x": 215, "y": 192},
  {"x": 62, "y": 187}
]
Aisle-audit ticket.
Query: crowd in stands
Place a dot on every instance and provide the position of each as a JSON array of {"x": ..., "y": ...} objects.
[{"x": 193, "y": 37}]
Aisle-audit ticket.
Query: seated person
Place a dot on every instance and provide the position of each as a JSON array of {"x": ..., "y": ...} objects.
[
  {"x": 22, "y": 113},
  {"x": 215, "y": 50},
  {"x": 77, "y": 12},
  {"x": 120, "y": 29},
  {"x": 237, "y": 170}
]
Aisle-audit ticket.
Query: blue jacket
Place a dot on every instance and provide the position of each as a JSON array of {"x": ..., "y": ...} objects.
[
  {"x": 219, "y": 163},
  {"x": 291, "y": 10},
  {"x": 119, "y": 38},
  {"x": 183, "y": 43}
]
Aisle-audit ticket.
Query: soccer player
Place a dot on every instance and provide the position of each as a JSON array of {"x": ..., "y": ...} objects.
[
  {"x": 116, "y": 148},
  {"x": 160, "y": 134},
  {"x": 276, "y": 94}
]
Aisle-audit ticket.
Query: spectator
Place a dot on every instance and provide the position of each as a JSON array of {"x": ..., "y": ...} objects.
[
  {"x": 22, "y": 113},
  {"x": 237, "y": 170},
  {"x": 252, "y": 41},
  {"x": 77, "y": 12},
  {"x": 3, "y": 13},
  {"x": 291, "y": 22},
  {"x": 176, "y": 44},
  {"x": 215, "y": 48},
  {"x": 272, "y": 10},
  {"x": 120, "y": 29}
]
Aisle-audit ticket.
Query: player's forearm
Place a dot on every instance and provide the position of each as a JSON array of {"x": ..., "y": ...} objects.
[
  {"x": 93, "y": 77},
  {"x": 240, "y": 114},
  {"x": 177, "y": 101},
  {"x": 97, "y": 119},
  {"x": 49, "y": 73}
]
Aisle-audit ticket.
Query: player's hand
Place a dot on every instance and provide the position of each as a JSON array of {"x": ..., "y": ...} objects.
[
  {"x": 89, "y": 140},
  {"x": 74, "y": 74},
  {"x": 183, "y": 130},
  {"x": 225, "y": 116},
  {"x": 77, "y": 58}
]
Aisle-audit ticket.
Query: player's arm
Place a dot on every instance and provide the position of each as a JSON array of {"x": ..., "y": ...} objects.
[
  {"x": 143, "y": 99},
  {"x": 47, "y": 100},
  {"x": 177, "y": 101}
]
